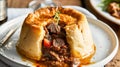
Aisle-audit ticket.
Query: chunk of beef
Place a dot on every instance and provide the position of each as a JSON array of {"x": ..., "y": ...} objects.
[
  {"x": 58, "y": 43},
  {"x": 114, "y": 9},
  {"x": 53, "y": 28}
]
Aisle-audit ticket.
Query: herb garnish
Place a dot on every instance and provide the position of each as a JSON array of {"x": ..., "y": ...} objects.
[{"x": 57, "y": 17}]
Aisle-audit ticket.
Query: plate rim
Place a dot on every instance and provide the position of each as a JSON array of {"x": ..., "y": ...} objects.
[
  {"x": 102, "y": 13},
  {"x": 115, "y": 50}
]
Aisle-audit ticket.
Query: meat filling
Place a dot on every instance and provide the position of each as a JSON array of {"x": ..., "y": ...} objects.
[{"x": 55, "y": 49}]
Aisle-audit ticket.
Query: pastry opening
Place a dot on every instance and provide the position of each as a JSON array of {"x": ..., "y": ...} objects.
[{"x": 55, "y": 49}]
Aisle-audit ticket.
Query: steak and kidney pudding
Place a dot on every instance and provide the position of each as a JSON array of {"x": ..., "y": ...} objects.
[{"x": 56, "y": 37}]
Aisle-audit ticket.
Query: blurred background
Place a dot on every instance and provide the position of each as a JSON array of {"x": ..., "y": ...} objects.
[{"x": 24, "y": 3}]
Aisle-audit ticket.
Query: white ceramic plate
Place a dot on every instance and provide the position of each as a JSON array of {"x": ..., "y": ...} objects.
[
  {"x": 104, "y": 37},
  {"x": 95, "y": 3}
]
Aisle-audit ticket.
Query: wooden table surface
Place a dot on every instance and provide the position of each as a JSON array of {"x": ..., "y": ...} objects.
[{"x": 24, "y": 4}]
